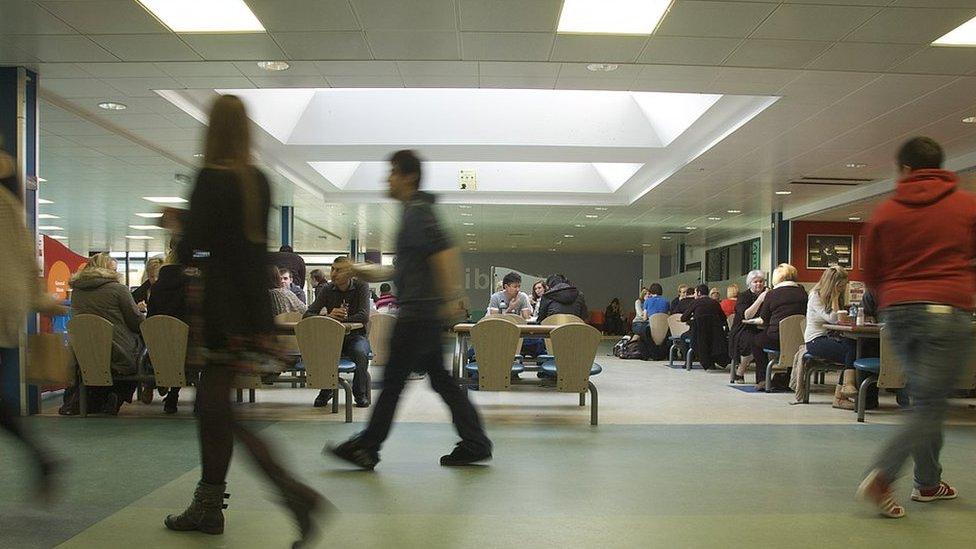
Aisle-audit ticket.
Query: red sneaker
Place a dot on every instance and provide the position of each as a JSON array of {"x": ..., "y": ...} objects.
[
  {"x": 876, "y": 490},
  {"x": 942, "y": 491}
]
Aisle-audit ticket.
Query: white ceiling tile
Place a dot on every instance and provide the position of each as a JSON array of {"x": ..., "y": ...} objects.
[
  {"x": 234, "y": 47},
  {"x": 823, "y": 87},
  {"x": 357, "y": 68},
  {"x": 146, "y": 47},
  {"x": 143, "y": 87},
  {"x": 304, "y": 15},
  {"x": 141, "y": 121},
  {"x": 199, "y": 68},
  {"x": 438, "y": 68},
  {"x": 365, "y": 81},
  {"x": 570, "y": 83},
  {"x": 106, "y": 16},
  {"x": 660, "y": 73},
  {"x": 510, "y": 15},
  {"x": 512, "y": 46},
  {"x": 323, "y": 45},
  {"x": 24, "y": 17},
  {"x": 776, "y": 53},
  {"x": 862, "y": 56},
  {"x": 183, "y": 120},
  {"x": 459, "y": 81},
  {"x": 70, "y": 88},
  {"x": 579, "y": 70},
  {"x": 517, "y": 69},
  {"x": 910, "y": 25},
  {"x": 61, "y": 70},
  {"x": 713, "y": 19},
  {"x": 214, "y": 82},
  {"x": 121, "y": 70},
  {"x": 803, "y": 22},
  {"x": 295, "y": 68},
  {"x": 59, "y": 49},
  {"x": 935, "y": 60},
  {"x": 406, "y": 15},
  {"x": 934, "y": 3},
  {"x": 289, "y": 81},
  {"x": 687, "y": 50},
  {"x": 613, "y": 49},
  {"x": 518, "y": 82},
  {"x": 397, "y": 44}
]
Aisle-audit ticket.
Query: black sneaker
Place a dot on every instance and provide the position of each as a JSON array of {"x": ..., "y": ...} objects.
[
  {"x": 362, "y": 402},
  {"x": 325, "y": 395},
  {"x": 353, "y": 452},
  {"x": 112, "y": 405},
  {"x": 463, "y": 456},
  {"x": 169, "y": 405}
]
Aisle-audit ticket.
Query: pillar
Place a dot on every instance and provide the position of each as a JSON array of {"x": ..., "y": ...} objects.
[
  {"x": 780, "y": 239},
  {"x": 287, "y": 225}
]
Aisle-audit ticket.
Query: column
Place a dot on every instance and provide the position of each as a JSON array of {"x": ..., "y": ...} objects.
[
  {"x": 18, "y": 128},
  {"x": 780, "y": 239},
  {"x": 287, "y": 225}
]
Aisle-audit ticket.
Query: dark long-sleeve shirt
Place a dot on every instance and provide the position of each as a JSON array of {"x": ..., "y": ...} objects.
[{"x": 356, "y": 296}]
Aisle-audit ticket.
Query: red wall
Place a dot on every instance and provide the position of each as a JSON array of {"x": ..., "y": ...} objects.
[{"x": 798, "y": 251}]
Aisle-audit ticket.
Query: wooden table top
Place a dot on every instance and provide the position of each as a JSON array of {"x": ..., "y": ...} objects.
[
  {"x": 866, "y": 330},
  {"x": 289, "y": 327},
  {"x": 525, "y": 329}
]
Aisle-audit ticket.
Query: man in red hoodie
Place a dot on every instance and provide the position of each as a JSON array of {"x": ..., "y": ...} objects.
[{"x": 920, "y": 248}]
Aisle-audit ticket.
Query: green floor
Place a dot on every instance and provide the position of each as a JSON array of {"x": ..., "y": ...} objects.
[{"x": 548, "y": 486}]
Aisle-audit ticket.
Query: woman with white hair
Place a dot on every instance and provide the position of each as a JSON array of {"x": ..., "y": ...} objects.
[
  {"x": 741, "y": 335},
  {"x": 787, "y": 298}
]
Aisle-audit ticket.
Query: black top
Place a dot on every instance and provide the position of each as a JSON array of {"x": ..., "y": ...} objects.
[
  {"x": 702, "y": 307},
  {"x": 420, "y": 237},
  {"x": 235, "y": 270},
  {"x": 356, "y": 297},
  {"x": 168, "y": 295},
  {"x": 780, "y": 303},
  {"x": 746, "y": 299},
  {"x": 142, "y": 292},
  {"x": 562, "y": 298},
  {"x": 294, "y": 263},
  {"x": 682, "y": 305}
]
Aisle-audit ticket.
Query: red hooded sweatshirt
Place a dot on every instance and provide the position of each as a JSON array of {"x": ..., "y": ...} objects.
[{"x": 921, "y": 243}]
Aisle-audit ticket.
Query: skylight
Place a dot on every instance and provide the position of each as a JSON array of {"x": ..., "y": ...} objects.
[{"x": 963, "y": 35}]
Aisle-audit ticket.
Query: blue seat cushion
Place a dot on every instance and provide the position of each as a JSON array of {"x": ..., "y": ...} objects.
[
  {"x": 542, "y": 358},
  {"x": 872, "y": 365},
  {"x": 346, "y": 366},
  {"x": 472, "y": 368},
  {"x": 549, "y": 367},
  {"x": 771, "y": 351}
]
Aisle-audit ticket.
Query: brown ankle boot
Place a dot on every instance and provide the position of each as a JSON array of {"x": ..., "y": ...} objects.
[
  {"x": 849, "y": 380},
  {"x": 841, "y": 401},
  {"x": 205, "y": 512}
]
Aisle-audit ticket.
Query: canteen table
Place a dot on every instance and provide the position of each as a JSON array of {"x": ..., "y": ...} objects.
[
  {"x": 288, "y": 328},
  {"x": 859, "y": 333},
  {"x": 462, "y": 333}
]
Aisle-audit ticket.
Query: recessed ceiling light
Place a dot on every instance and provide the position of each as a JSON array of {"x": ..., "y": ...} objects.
[
  {"x": 602, "y": 67},
  {"x": 472, "y": 249},
  {"x": 784, "y": 193},
  {"x": 209, "y": 16},
  {"x": 198, "y": 155},
  {"x": 714, "y": 218},
  {"x": 646, "y": 244},
  {"x": 57, "y": 237},
  {"x": 665, "y": 238},
  {"x": 138, "y": 237},
  {"x": 630, "y": 251},
  {"x": 146, "y": 227},
  {"x": 466, "y": 215},
  {"x": 112, "y": 106},
  {"x": 50, "y": 228},
  {"x": 601, "y": 209},
  {"x": 592, "y": 216},
  {"x": 963, "y": 35},
  {"x": 41, "y": 180},
  {"x": 969, "y": 120},
  {"x": 44, "y": 201},
  {"x": 464, "y": 207},
  {"x": 552, "y": 249},
  {"x": 468, "y": 224},
  {"x": 690, "y": 228},
  {"x": 274, "y": 65},
  {"x": 733, "y": 211},
  {"x": 579, "y": 226},
  {"x": 856, "y": 165},
  {"x": 150, "y": 215},
  {"x": 612, "y": 16},
  {"x": 472, "y": 242},
  {"x": 470, "y": 234},
  {"x": 47, "y": 216},
  {"x": 568, "y": 236},
  {"x": 165, "y": 199},
  {"x": 854, "y": 218}
]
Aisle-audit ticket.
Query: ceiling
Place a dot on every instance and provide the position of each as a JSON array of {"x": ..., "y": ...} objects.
[{"x": 855, "y": 78}]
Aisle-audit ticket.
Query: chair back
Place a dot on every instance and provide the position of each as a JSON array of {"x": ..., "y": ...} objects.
[
  {"x": 166, "y": 339},
  {"x": 513, "y": 318},
  {"x": 659, "y": 327},
  {"x": 320, "y": 340},
  {"x": 575, "y": 347},
  {"x": 677, "y": 327},
  {"x": 560, "y": 319},
  {"x": 91, "y": 340},
  {"x": 292, "y": 316},
  {"x": 380, "y": 331},
  {"x": 287, "y": 342},
  {"x": 493, "y": 338},
  {"x": 790, "y": 338}
]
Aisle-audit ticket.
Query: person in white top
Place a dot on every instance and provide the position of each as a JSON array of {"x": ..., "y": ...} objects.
[
  {"x": 510, "y": 300},
  {"x": 826, "y": 305}
]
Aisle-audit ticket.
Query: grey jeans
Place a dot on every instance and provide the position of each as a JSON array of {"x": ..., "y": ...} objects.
[{"x": 932, "y": 343}]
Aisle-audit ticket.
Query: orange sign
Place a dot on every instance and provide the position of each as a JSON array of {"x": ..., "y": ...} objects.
[{"x": 57, "y": 280}]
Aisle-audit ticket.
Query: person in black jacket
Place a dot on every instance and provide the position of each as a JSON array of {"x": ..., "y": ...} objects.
[
  {"x": 787, "y": 298},
  {"x": 168, "y": 297},
  {"x": 708, "y": 329},
  {"x": 562, "y": 298}
]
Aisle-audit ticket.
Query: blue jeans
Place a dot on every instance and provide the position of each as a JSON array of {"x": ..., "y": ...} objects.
[
  {"x": 933, "y": 344},
  {"x": 835, "y": 349}
]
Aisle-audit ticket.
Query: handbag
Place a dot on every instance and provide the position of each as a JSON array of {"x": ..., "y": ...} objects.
[{"x": 49, "y": 360}]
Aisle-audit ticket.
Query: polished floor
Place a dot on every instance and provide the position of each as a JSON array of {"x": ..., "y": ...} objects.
[{"x": 680, "y": 459}]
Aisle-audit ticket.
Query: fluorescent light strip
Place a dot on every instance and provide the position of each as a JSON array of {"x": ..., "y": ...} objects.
[
  {"x": 138, "y": 237},
  {"x": 166, "y": 199},
  {"x": 146, "y": 227},
  {"x": 50, "y": 228},
  {"x": 612, "y": 16},
  {"x": 207, "y": 16},
  {"x": 150, "y": 215},
  {"x": 44, "y": 201},
  {"x": 47, "y": 216}
]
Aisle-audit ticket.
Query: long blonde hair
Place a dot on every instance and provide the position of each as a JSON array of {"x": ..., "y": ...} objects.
[
  {"x": 228, "y": 146},
  {"x": 832, "y": 286}
]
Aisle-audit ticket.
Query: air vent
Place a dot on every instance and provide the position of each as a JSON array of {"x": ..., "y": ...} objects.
[
  {"x": 833, "y": 181},
  {"x": 677, "y": 232}
]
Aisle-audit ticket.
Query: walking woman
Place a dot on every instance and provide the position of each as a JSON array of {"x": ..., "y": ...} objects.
[{"x": 226, "y": 237}]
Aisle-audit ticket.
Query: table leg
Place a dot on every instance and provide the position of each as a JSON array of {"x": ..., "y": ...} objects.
[{"x": 456, "y": 366}]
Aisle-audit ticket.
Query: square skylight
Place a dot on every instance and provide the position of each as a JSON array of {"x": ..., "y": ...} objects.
[
  {"x": 963, "y": 35},
  {"x": 612, "y": 16},
  {"x": 204, "y": 15}
]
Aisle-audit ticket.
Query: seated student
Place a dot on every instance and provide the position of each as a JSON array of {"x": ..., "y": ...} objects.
[
  {"x": 613, "y": 320},
  {"x": 535, "y": 298},
  {"x": 287, "y": 282},
  {"x": 787, "y": 298},
  {"x": 387, "y": 302},
  {"x": 149, "y": 276},
  {"x": 731, "y": 297},
  {"x": 685, "y": 301},
  {"x": 715, "y": 294},
  {"x": 640, "y": 323},
  {"x": 97, "y": 290},
  {"x": 317, "y": 277},
  {"x": 562, "y": 298},
  {"x": 655, "y": 302},
  {"x": 708, "y": 329},
  {"x": 168, "y": 297},
  {"x": 346, "y": 299},
  {"x": 682, "y": 293},
  {"x": 742, "y": 335},
  {"x": 286, "y": 258},
  {"x": 826, "y": 305},
  {"x": 282, "y": 299},
  {"x": 510, "y": 299}
]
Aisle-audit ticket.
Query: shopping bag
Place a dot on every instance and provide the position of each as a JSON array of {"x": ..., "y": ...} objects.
[{"x": 49, "y": 360}]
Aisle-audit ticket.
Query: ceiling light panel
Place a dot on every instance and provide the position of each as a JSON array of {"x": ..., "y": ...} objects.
[
  {"x": 963, "y": 35},
  {"x": 611, "y": 16},
  {"x": 204, "y": 15}
]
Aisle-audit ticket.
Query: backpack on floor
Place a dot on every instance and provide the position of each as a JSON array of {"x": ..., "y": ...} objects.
[
  {"x": 619, "y": 346},
  {"x": 634, "y": 350}
]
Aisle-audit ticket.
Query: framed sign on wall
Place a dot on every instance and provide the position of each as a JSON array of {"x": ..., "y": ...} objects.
[{"x": 824, "y": 250}]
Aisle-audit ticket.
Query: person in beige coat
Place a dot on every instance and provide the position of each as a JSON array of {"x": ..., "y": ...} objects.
[{"x": 20, "y": 293}]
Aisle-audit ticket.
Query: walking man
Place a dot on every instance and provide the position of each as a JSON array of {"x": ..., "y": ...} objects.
[
  {"x": 919, "y": 260},
  {"x": 427, "y": 275}
]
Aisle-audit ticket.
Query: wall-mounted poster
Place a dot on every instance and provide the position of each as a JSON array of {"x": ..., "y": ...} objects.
[{"x": 824, "y": 250}]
